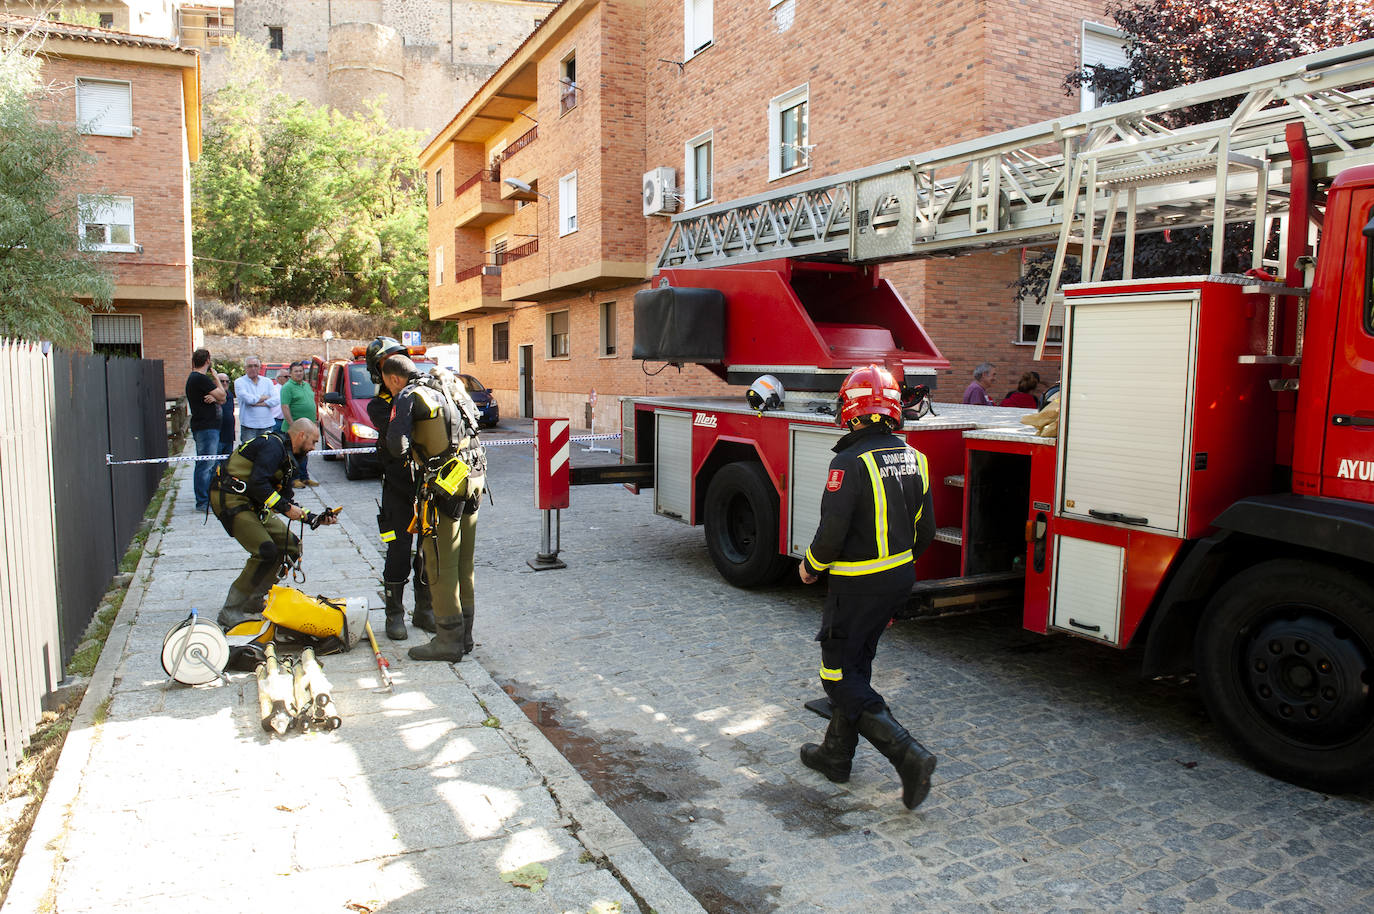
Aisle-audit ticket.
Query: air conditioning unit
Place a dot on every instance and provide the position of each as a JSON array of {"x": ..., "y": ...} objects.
[{"x": 660, "y": 192}]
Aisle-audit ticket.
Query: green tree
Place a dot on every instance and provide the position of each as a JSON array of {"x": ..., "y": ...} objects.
[
  {"x": 1178, "y": 42},
  {"x": 300, "y": 205},
  {"x": 1172, "y": 43},
  {"x": 43, "y": 269}
]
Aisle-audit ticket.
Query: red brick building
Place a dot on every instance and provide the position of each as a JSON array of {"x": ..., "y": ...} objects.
[
  {"x": 537, "y": 233},
  {"x": 136, "y": 102}
]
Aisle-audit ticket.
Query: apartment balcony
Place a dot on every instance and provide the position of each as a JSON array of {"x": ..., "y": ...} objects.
[
  {"x": 505, "y": 169},
  {"x": 476, "y": 291},
  {"x": 532, "y": 274},
  {"x": 477, "y": 201}
]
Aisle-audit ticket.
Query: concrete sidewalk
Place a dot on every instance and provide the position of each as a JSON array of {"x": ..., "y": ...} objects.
[{"x": 175, "y": 799}]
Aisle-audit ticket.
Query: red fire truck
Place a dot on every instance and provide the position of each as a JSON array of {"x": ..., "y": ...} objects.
[{"x": 1210, "y": 490}]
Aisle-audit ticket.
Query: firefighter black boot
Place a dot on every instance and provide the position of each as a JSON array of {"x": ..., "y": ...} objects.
[
  {"x": 395, "y": 611},
  {"x": 835, "y": 753},
  {"x": 239, "y": 607},
  {"x": 469, "y": 613},
  {"x": 423, "y": 616},
  {"x": 447, "y": 643},
  {"x": 913, "y": 763}
]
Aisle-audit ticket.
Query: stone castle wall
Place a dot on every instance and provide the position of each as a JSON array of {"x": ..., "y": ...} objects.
[{"x": 424, "y": 57}]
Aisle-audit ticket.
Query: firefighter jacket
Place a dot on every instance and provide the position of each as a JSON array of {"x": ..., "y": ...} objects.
[
  {"x": 876, "y": 514},
  {"x": 396, "y": 471},
  {"x": 261, "y": 471}
]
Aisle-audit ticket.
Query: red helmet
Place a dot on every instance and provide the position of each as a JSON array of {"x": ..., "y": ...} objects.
[{"x": 870, "y": 391}]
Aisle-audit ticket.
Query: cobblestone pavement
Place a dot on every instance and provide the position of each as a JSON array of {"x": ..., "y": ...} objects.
[{"x": 1064, "y": 783}]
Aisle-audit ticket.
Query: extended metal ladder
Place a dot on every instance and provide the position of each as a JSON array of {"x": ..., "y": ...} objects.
[{"x": 1073, "y": 181}]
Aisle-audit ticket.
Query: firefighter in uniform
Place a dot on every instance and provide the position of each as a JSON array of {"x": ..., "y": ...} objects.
[
  {"x": 876, "y": 519},
  {"x": 436, "y": 430},
  {"x": 396, "y": 509},
  {"x": 247, "y": 493}
]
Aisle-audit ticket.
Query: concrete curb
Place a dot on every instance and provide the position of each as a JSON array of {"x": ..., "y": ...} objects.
[
  {"x": 597, "y": 828},
  {"x": 43, "y": 857}
]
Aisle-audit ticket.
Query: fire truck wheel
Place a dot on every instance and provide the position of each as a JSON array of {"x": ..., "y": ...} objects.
[
  {"x": 742, "y": 525},
  {"x": 1285, "y": 660}
]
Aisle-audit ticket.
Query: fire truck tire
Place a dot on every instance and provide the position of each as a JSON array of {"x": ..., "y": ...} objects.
[
  {"x": 1285, "y": 660},
  {"x": 742, "y": 525}
]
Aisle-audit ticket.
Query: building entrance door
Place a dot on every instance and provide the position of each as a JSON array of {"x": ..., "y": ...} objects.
[{"x": 527, "y": 381}]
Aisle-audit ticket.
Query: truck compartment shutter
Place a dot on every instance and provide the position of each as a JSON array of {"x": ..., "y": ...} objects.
[
  {"x": 809, "y": 463},
  {"x": 1127, "y": 411},
  {"x": 679, "y": 325},
  {"x": 1087, "y": 588},
  {"x": 673, "y": 465}
]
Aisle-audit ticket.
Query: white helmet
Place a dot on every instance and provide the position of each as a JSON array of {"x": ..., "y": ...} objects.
[{"x": 765, "y": 393}]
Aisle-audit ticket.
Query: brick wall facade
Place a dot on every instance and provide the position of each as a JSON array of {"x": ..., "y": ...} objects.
[
  {"x": 880, "y": 82},
  {"x": 152, "y": 167}
]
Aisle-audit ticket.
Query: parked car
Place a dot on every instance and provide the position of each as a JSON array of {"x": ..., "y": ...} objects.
[
  {"x": 489, "y": 413},
  {"x": 342, "y": 390}
]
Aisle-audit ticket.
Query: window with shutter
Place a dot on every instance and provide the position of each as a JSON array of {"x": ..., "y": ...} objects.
[
  {"x": 558, "y": 334},
  {"x": 104, "y": 107},
  {"x": 1103, "y": 46},
  {"x": 698, "y": 26},
  {"x": 567, "y": 204},
  {"x": 117, "y": 334}
]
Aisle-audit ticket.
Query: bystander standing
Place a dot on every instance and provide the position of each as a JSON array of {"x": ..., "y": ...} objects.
[
  {"x": 203, "y": 397},
  {"x": 977, "y": 391},
  {"x": 298, "y": 402},
  {"x": 226, "y": 422},
  {"x": 258, "y": 398}
]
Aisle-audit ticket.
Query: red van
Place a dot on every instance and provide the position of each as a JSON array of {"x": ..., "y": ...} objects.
[{"x": 342, "y": 390}]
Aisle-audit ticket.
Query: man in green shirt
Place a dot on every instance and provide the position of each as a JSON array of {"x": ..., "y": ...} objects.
[{"x": 298, "y": 402}]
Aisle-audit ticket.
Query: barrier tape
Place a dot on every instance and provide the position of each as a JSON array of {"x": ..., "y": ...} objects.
[{"x": 339, "y": 451}]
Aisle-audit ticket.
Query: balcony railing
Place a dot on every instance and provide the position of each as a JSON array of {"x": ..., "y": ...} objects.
[
  {"x": 524, "y": 250},
  {"x": 481, "y": 269},
  {"x": 484, "y": 175},
  {"x": 524, "y": 140}
]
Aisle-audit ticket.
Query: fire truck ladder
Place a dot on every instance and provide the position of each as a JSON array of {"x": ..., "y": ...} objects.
[{"x": 1062, "y": 182}]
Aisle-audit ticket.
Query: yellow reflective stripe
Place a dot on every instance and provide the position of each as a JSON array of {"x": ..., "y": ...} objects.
[
  {"x": 831, "y": 675},
  {"x": 924, "y": 467},
  {"x": 388, "y": 536},
  {"x": 879, "y": 503},
  {"x": 814, "y": 562},
  {"x": 272, "y": 499},
  {"x": 871, "y": 566}
]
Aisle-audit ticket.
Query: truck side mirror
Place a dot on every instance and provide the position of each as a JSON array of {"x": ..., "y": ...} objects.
[{"x": 334, "y": 397}]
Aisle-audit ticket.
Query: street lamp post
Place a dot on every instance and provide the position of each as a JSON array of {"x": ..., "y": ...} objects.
[{"x": 328, "y": 335}]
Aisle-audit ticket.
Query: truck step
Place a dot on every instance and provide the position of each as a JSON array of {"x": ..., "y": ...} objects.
[
  {"x": 968, "y": 594},
  {"x": 956, "y": 480},
  {"x": 952, "y": 535}
]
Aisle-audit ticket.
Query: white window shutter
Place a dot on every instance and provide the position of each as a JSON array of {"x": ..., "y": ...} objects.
[
  {"x": 1103, "y": 46},
  {"x": 704, "y": 15},
  {"x": 104, "y": 108},
  {"x": 567, "y": 204}
]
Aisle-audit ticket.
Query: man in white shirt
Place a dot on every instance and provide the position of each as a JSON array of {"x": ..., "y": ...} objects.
[{"x": 257, "y": 397}]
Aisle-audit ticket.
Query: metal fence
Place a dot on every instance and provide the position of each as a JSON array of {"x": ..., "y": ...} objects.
[{"x": 65, "y": 517}]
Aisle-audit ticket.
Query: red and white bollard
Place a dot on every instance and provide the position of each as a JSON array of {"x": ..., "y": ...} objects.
[{"x": 552, "y": 449}]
